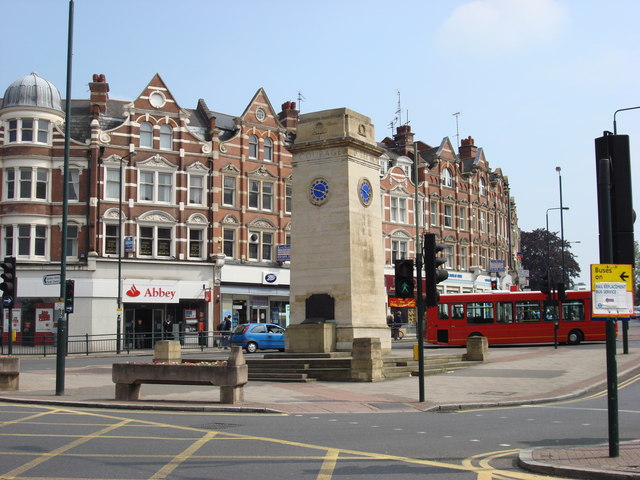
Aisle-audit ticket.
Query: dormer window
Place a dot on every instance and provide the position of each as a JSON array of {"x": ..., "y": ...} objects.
[{"x": 482, "y": 188}]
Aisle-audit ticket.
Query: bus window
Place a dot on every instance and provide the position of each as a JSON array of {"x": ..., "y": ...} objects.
[
  {"x": 480, "y": 312},
  {"x": 528, "y": 311},
  {"x": 550, "y": 313},
  {"x": 573, "y": 311},
  {"x": 442, "y": 311},
  {"x": 504, "y": 311},
  {"x": 457, "y": 310}
]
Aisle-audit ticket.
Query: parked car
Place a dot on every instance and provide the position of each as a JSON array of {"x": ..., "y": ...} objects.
[
  {"x": 258, "y": 336},
  {"x": 636, "y": 313}
]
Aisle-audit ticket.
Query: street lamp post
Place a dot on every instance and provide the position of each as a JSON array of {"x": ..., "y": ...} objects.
[
  {"x": 121, "y": 188},
  {"x": 558, "y": 169},
  {"x": 548, "y": 241}
]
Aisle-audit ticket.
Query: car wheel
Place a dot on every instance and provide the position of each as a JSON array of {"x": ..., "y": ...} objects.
[{"x": 251, "y": 347}]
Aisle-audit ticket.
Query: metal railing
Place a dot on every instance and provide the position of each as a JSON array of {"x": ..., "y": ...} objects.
[{"x": 93, "y": 344}]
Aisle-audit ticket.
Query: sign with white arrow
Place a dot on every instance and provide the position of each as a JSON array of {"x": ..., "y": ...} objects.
[{"x": 612, "y": 290}]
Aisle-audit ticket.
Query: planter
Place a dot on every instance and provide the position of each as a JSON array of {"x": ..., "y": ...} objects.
[
  {"x": 9, "y": 373},
  {"x": 231, "y": 377}
]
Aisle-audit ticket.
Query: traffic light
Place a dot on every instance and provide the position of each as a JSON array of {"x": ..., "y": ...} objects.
[
  {"x": 562, "y": 294},
  {"x": 619, "y": 189},
  {"x": 404, "y": 278},
  {"x": 9, "y": 285},
  {"x": 69, "y": 296},
  {"x": 433, "y": 274},
  {"x": 545, "y": 286},
  {"x": 494, "y": 284}
]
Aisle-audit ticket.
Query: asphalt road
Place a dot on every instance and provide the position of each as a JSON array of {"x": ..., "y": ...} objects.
[{"x": 47, "y": 442}]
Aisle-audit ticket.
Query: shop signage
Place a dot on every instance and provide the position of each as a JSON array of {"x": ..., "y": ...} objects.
[
  {"x": 283, "y": 253},
  {"x": 269, "y": 278},
  {"x": 496, "y": 265},
  {"x": 141, "y": 291},
  {"x": 129, "y": 244}
]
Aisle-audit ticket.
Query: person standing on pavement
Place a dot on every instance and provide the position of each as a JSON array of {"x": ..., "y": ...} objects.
[
  {"x": 397, "y": 323},
  {"x": 225, "y": 331}
]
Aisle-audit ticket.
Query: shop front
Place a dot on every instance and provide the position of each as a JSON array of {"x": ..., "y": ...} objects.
[{"x": 163, "y": 310}]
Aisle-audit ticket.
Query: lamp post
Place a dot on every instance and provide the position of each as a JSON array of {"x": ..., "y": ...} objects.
[
  {"x": 558, "y": 169},
  {"x": 121, "y": 189},
  {"x": 548, "y": 242}
]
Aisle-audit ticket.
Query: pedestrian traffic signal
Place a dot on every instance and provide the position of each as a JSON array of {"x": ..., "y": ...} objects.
[
  {"x": 545, "y": 286},
  {"x": 69, "y": 296},
  {"x": 494, "y": 284},
  {"x": 404, "y": 278},
  {"x": 433, "y": 274},
  {"x": 9, "y": 285}
]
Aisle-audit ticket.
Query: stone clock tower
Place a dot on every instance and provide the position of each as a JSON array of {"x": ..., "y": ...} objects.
[{"x": 337, "y": 263}]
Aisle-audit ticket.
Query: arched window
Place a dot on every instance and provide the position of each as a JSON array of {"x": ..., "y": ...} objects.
[
  {"x": 447, "y": 178},
  {"x": 166, "y": 137},
  {"x": 253, "y": 146},
  {"x": 146, "y": 135},
  {"x": 482, "y": 188},
  {"x": 268, "y": 150}
]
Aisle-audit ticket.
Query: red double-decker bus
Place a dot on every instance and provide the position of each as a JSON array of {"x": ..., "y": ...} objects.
[{"x": 512, "y": 317}]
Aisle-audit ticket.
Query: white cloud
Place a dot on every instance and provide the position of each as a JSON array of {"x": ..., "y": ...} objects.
[{"x": 496, "y": 27}]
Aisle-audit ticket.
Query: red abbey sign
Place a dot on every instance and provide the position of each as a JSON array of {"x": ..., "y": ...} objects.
[{"x": 149, "y": 292}]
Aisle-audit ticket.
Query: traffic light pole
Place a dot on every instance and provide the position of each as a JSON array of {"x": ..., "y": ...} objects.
[
  {"x": 420, "y": 324},
  {"x": 606, "y": 256}
]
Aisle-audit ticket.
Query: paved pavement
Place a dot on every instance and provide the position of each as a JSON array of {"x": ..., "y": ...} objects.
[{"x": 512, "y": 376}]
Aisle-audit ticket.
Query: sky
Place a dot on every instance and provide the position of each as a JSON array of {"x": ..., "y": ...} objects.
[{"x": 534, "y": 81}]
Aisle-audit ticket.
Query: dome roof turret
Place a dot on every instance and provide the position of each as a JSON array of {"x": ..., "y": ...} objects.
[{"x": 32, "y": 91}]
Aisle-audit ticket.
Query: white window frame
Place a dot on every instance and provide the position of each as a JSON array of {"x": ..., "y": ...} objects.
[
  {"x": 267, "y": 149},
  {"x": 448, "y": 215},
  {"x": 16, "y": 131},
  {"x": 166, "y": 137},
  {"x": 37, "y": 186},
  {"x": 433, "y": 212},
  {"x": 155, "y": 186},
  {"x": 398, "y": 209},
  {"x": 74, "y": 184},
  {"x": 156, "y": 240},
  {"x": 462, "y": 218},
  {"x": 36, "y": 242},
  {"x": 288, "y": 198},
  {"x": 229, "y": 238},
  {"x": 399, "y": 249},
  {"x": 202, "y": 242},
  {"x": 111, "y": 236},
  {"x": 447, "y": 178},
  {"x": 264, "y": 244},
  {"x": 253, "y": 146},
  {"x": 197, "y": 190},
  {"x": 229, "y": 190},
  {"x": 73, "y": 232},
  {"x": 260, "y": 198},
  {"x": 463, "y": 258},
  {"x": 482, "y": 188},
  {"x": 449, "y": 255},
  {"x": 146, "y": 135}
]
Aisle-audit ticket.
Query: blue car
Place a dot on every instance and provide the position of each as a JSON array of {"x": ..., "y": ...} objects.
[{"x": 258, "y": 336}]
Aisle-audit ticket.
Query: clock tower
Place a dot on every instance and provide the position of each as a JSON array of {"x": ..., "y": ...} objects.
[{"x": 337, "y": 263}]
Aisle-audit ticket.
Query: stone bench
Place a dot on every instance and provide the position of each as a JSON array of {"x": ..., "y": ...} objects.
[{"x": 231, "y": 377}]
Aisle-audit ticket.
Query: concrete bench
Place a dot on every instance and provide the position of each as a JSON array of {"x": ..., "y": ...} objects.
[
  {"x": 231, "y": 377},
  {"x": 9, "y": 373}
]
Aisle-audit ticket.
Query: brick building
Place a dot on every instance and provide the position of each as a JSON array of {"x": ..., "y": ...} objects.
[{"x": 204, "y": 200}]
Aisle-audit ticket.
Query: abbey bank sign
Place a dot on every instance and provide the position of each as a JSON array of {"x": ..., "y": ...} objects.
[{"x": 149, "y": 291}]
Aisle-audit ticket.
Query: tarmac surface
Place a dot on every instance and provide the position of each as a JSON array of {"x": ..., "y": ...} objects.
[{"x": 512, "y": 376}]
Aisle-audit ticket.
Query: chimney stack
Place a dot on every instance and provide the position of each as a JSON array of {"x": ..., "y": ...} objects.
[
  {"x": 99, "y": 89},
  {"x": 289, "y": 116},
  {"x": 467, "y": 148}
]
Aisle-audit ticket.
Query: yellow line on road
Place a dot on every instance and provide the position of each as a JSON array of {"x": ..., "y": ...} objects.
[
  {"x": 328, "y": 465},
  {"x": 179, "y": 459}
]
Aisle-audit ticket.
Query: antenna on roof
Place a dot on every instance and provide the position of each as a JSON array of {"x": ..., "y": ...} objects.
[
  {"x": 457, "y": 114},
  {"x": 301, "y": 98},
  {"x": 397, "y": 120}
]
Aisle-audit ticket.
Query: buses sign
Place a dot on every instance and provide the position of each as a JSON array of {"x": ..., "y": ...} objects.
[{"x": 611, "y": 290}]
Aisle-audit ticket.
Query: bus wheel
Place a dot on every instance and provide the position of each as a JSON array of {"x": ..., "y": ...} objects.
[
  {"x": 475, "y": 334},
  {"x": 575, "y": 337}
]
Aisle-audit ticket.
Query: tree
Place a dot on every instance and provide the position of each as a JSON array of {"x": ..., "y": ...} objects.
[{"x": 542, "y": 250}]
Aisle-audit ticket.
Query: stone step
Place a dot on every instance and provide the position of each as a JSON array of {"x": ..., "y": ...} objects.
[{"x": 281, "y": 377}]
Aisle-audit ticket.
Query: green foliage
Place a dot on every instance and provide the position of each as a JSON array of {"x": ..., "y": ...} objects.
[{"x": 542, "y": 251}]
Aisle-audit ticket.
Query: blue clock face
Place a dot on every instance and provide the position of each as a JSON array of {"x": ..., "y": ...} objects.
[
  {"x": 365, "y": 192},
  {"x": 319, "y": 191}
]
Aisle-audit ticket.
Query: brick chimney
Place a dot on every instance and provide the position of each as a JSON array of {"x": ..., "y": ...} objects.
[
  {"x": 467, "y": 148},
  {"x": 404, "y": 139},
  {"x": 289, "y": 116},
  {"x": 99, "y": 89}
]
